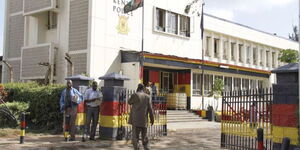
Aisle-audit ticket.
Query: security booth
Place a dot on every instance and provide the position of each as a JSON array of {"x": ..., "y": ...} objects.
[
  {"x": 110, "y": 115},
  {"x": 285, "y": 105}
]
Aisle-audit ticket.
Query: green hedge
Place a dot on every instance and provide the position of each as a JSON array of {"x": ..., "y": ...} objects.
[
  {"x": 43, "y": 103},
  {"x": 16, "y": 108}
]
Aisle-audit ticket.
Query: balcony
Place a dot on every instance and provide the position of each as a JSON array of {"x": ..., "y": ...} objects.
[
  {"x": 38, "y": 6},
  {"x": 32, "y": 56}
]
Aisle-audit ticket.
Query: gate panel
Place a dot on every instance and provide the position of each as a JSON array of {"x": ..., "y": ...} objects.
[{"x": 243, "y": 112}]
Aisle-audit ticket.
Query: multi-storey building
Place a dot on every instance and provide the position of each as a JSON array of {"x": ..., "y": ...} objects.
[{"x": 101, "y": 39}]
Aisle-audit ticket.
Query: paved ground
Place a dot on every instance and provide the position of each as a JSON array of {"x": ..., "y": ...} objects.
[{"x": 180, "y": 137}]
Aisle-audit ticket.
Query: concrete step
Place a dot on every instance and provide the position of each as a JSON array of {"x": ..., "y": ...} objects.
[
  {"x": 180, "y": 118},
  {"x": 184, "y": 120}
]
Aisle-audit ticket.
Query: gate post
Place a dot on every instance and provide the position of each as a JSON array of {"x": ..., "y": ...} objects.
[
  {"x": 285, "y": 105},
  {"x": 260, "y": 139},
  {"x": 109, "y": 112}
]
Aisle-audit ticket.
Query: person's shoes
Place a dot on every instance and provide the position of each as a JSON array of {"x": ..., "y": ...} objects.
[
  {"x": 72, "y": 139},
  {"x": 92, "y": 139}
]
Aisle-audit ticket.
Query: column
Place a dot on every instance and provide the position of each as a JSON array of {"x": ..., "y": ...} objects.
[
  {"x": 258, "y": 57},
  {"x": 221, "y": 48},
  {"x": 236, "y": 52},
  {"x": 276, "y": 58},
  {"x": 264, "y": 57},
  {"x": 229, "y": 50},
  {"x": 270, "y": 58},
  {"x": 251, "y": 54},
  {"x": 211, "y": 46},
  {"x": 244, "y": 53},
  {"x": 204, "y": 44}
]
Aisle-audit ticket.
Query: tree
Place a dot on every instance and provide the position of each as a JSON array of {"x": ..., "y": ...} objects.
[
  {"x": 289, "y": 56},
  {"x": 294, "y": 35},
  {"x": 217, "y": 91}
]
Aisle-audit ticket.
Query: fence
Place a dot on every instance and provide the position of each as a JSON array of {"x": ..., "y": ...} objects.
[
  {"x": 160, "y": 119},
  {"x": 243, "y": 112}
]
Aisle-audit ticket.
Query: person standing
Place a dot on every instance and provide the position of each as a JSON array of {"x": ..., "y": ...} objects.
[
  {"x": 141, "y": 109},
  {"x": 69, "y": 100},
  {"x": 93, "y": 99}
]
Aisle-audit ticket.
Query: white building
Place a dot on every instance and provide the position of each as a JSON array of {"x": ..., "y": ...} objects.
[{"x": 101, "y": 39}]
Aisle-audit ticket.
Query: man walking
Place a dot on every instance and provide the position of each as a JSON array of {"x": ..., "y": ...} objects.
[
  {"x": 141, "y": 108},
  {"x": 69, "y": 100},
  {"x": 93, "y": 98}
]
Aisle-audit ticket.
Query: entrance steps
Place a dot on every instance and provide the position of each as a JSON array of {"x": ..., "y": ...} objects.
[{"x": 177, "y": 116}]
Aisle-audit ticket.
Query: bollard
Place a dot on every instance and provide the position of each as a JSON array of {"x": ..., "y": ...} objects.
[
  {"x": 22, "y": 127},
  {"x": 285, "y": 143},
  {"x": 66, "y": 127},
  {"x": 260, "y": 139}
]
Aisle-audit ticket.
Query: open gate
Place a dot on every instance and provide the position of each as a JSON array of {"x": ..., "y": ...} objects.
[{"x": 243, "y": 112}]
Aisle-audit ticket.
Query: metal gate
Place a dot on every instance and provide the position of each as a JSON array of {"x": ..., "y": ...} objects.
[
  {"x": 243, "y": 112},
  {"x": 159, "y": 105}
]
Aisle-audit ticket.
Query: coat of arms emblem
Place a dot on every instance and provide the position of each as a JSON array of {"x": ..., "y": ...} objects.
[{"x": 122, "y": 26}]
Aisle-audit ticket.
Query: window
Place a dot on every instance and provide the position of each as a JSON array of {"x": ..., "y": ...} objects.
[
  {"x": 52, "y": 20},
  {"x": 261, "y": 56},
  {"x": 248, "y": 54},
  {"x": 216, "y": 47},
  {"x": 232, "y": 51},
  {"x": 185, "y": 26},
  {"x": 245, "y": 84},
  {"x": 160, "y": 20},
  {"x": 253, "y": 84},
  {"x": 208, "y": 83},
  {"x": 254, "y": 56},
  {"x": 273, "y": 59},
  {"x": 197, "y": 83},
  {"x": 240, "y": 52},
  {"x": 219, "y": 77},
  {"x": 228, "y": 83},
  {"x": 207, "y": 46},
  {"x": 260, "y": 84},
  {"x": 172, "y": 23},
  {"x": 268, "y": 58},
  {"x": 224, "y": 49},
  {"x": 237, "y": 83}
]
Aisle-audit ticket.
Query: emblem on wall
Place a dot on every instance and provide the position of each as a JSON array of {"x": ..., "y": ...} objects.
[{"x": 122, "y": 26}]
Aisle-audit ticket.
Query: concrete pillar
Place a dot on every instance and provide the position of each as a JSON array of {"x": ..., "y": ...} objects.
[
  {"x": 270, "y": 58},
  {"x": 251, "y": 54},
  {"x": 264, "y": 57},
  {"x": 276, "y": 58},
  {"x": 258, "y": 52},
  {"x": 204, "y": 46},
  {"x": 236, "y": 52},
  {"x": 221, "y": 48},
  {"x": 211, "y": 46},
  {"x": 244, "y": 53},
  {"x": 229, "y": 50}
]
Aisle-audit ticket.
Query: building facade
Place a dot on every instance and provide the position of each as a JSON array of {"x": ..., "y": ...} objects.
[{"x": 101, "y": 39}]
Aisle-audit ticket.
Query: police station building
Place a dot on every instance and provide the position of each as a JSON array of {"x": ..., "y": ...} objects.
[{"x": 101, "y": 39}]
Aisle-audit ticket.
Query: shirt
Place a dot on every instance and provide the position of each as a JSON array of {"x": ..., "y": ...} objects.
[
  {"x": 91, "y": 94},
  {"x": 70, "y": 95}
]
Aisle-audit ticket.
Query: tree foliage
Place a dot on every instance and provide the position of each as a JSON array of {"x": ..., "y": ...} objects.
[
  {"x": 294, "y": 35},
  {"x": 289, "y": 56}
]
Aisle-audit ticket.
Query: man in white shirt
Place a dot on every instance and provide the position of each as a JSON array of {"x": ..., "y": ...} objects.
[{"x": 93, "y": 99}]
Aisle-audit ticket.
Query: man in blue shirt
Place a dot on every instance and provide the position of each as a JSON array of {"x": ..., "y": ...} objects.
[{"x": 69, "y": 100}]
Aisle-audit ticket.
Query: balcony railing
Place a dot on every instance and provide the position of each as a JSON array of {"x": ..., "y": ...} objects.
[
  {"x": 38, "y": 6},
  {"x": 33, "y": 57}
]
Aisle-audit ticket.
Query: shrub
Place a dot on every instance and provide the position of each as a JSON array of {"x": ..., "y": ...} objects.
[
  {"x": 16, "y": 108},
  {"x": 43, "y": 103}
]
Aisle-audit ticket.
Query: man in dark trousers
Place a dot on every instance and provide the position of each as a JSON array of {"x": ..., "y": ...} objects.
[
  {"x": 69, "y": 100},
  {"x": 141, "y": 109},
  {"x": 93, "y": 98}
]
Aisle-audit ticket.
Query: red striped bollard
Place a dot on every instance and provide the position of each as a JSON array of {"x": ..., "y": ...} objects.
[
  {"x": 22, "y": 127},
  {"x": 260, "y": 139},
  {"x": 66, "y": 127}
]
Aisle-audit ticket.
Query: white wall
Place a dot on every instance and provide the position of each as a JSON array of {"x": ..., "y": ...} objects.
[
  {"x": 130, "y": 71},
  {"x": 106, "y": 41}
]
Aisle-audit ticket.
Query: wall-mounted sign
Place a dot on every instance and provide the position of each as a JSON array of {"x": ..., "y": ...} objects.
[
  {"x": 118, "y": 7},
  {"x": 122, "y": 26}
]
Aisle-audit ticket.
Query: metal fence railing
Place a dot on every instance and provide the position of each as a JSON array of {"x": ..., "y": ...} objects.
[{"x": 243, "y": 112}]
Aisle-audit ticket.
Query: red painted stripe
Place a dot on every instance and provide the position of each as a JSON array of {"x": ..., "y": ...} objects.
[
  {"x": 287, "y": 109},
  {"x": 67, "y": 127},
  {"x": 80, "y": 107},
  {"x": 154, "y": 76},
  {"x": 260, "y": 145},
  {"x": 23, "y": 124},
  {"x": 111, "y": 108}
]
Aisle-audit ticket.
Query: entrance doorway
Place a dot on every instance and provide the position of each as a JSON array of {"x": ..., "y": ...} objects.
[{"x": 167, "y": 82}]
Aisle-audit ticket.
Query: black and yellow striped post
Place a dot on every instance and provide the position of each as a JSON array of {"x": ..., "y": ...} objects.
[
  {"x": 22, "y": 126},
  {"x": 66, "y": 127}
]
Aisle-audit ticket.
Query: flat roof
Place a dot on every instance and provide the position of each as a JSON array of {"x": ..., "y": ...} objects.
[{"x": 209, "y": 15}]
